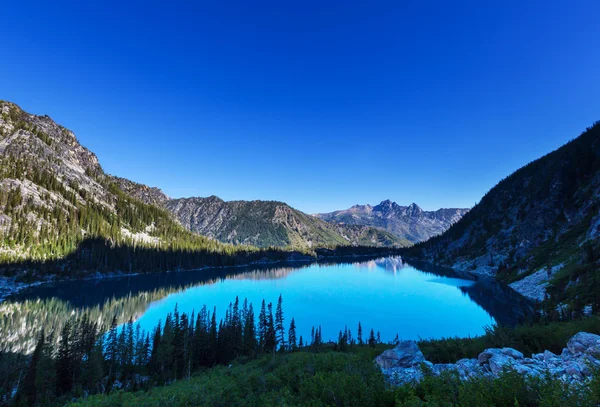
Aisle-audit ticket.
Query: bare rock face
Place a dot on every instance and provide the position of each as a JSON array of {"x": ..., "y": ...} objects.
[{"x": 406, "y": 364}]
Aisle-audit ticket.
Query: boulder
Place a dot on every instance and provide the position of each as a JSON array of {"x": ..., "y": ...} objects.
[
  {"x": 594, "y": 351},
  {"x": 406, "y": 364},
  {"x": 405, "y": 354},
  {"x": 513, "y": 353},
  {"x": 548, "y": 356},
  {"x": 581, "y": 342}
]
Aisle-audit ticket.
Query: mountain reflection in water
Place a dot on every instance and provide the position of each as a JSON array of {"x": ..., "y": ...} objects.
[{"x": 313, "y": 294}]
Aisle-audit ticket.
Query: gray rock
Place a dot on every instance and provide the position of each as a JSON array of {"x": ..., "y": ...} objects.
[
  {"x": 513, "y": 353},
  {"x": 594, "y": 351},
  {"x": 582, "y": 341},
  {"x": 549, "y": 356},
  {"x": 576, "y": 364},
  {"x": 499, "y": 362},
  {"x": 405, "y": 354}
]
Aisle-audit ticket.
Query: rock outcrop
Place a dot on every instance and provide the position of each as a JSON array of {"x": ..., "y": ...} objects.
[{"x": 405, "y": 363}]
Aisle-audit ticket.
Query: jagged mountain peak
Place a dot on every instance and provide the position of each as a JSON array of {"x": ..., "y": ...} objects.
[
  {"x": 269, "y": 223},
  {"x": 409, "y": 222}
]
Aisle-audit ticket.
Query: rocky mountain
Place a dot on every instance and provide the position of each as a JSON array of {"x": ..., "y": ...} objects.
[
  {"x": 149, "y": 195},
  {"x": 538, "y": 229},
  {"x": 61, "y": 213},
  {"x": 407, "y": 222},
  {"x": 270, "y": 223},
  {"x": 56, "y": 201}
]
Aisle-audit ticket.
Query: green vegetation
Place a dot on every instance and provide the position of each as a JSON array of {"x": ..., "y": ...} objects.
[
  {"x": 342, "y": 379},
  {"x": 83, "y": 360},
  {"x": 528, "y": 338},
  {"x": 248, "y": 361}
]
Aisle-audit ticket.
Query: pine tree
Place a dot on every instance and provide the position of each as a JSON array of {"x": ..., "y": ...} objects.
[
  {"x": 155, "y": 367},
  {"x": 279, "y": 328},
  {"x": 64, "y": 361},
  {"x": 112, "y": 349},
  {"x": 372, "y": 340},
  {"x": 360, "y": 333},
  {"x": 249, "y": 333},
  {"x": 213, "y": 339},
  {"x": 292, "y": 336},
  {"x": 45, "y": 383},
  {"x": 262, "y": 326},
  {"x": 28, "y": 392},
  {"x": 270, "y": 337}
]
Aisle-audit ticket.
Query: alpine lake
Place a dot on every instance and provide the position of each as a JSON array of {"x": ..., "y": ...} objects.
[{"x": 384, "y": 294}]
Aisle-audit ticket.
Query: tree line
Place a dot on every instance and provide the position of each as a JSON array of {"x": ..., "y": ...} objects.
[{"x": 89, "y": 359}]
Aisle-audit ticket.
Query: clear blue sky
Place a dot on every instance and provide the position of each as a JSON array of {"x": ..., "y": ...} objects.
[{"x": 319, "y": 104}]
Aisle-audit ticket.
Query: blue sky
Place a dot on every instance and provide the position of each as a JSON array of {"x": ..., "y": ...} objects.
[{"x": 319, "y": 104}]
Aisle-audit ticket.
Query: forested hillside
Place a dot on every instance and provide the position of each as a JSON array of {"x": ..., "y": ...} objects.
[
  {"x": 60, "y": 212},
  {"x": 538, "y": 229}
]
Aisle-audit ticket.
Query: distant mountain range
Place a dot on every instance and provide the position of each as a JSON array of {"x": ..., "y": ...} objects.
[
  {"x": 407, "y": 222},
  {"x": 259, "y": 223}
]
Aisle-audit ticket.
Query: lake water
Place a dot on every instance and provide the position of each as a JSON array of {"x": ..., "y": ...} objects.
[{"x": 384, "y": 294}]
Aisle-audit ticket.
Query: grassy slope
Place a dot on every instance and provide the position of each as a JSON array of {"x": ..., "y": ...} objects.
[{"x": 332, "y": 378}]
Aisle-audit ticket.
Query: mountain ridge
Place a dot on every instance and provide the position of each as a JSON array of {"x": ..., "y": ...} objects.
[
  {"x": 409, "y": 222},
  {"x": 538, "y": 229},
  {"x": 59, "y": 210},
  {"x": 261, "y": 223}
]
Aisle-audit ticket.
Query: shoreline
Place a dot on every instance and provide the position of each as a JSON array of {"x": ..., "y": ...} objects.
[{"x": 9, "y": 286}]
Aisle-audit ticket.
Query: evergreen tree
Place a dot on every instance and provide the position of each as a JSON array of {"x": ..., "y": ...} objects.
[
  {"x": 372, "y": 340},
  {"x": 270, "y": 336},
  {"x": 45, "y": 382},
  {"x": 249, "y": 332},
  {"x": 212, "y": 339},
  {"x": 292, "y": 336},
  {"x": 112, "y": 349},
  {"x": 279, "y": 328},
  {"x": 64, "y": 361},
  {"x": 262, "y": 326},
  {"x": 28, "y": 392},
  {"x": 360, "y": 333}
]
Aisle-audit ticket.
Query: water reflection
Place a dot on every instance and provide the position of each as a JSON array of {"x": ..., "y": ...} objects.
[{"x": 385, "y": 294}]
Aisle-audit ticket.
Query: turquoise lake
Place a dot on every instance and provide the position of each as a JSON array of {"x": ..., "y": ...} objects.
[{"x": 385, "y": 294}]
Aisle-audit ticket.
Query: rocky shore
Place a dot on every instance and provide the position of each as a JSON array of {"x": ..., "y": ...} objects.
[{"x": 405, "y": 363}]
